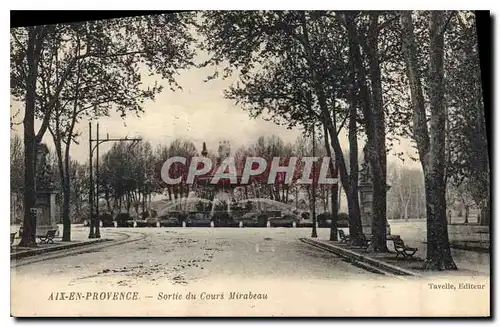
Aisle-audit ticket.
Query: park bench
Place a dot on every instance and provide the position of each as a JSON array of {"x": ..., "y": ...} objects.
[
  {"x": 343, "y": 237},
  {"x": 364, "y": 241},
  {"x": 12, "y": 237},
  {"x": 402, "y": 249},
  {"x": 49, "y": 237}
]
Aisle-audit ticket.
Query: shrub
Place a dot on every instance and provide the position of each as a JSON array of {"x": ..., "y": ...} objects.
[
  {"x": 323, "y": 217},
  {"x": 262, "y": 220},
  {"x": 107, "y": 219},
  {"x": 343, "y": 220},
  {"x": 222, "y": 218},
  {"x": 343, "y": 216},
  {"x": 122, "y": 218}
]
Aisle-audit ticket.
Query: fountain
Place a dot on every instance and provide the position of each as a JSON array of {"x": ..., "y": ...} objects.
[
  {"x": 184, "y": 205},
  {"x": 268, "y": 204}
]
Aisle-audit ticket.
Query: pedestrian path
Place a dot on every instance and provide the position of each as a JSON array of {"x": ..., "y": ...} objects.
[
  {"x": 79, "y": 237},
  {"x": 469, "y": 263},
  {"x": 415, "y": 233}
]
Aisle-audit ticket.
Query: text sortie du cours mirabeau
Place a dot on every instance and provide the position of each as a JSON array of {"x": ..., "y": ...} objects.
[{"x": 163, "y": 296}]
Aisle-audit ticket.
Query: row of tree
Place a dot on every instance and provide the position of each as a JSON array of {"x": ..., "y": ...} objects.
[
  {"x": 78, "y": 175},
  {"x": 128, "y": 180},
  {"x": 65, "y": 73},
  {"x": 381, "y": 75},
  {"x": 406, "y": 197},
  {"x": 130, "y": 176}
]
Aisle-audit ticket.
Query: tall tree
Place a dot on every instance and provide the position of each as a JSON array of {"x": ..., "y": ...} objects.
[
  {"x": 162, "y": 42},
  {"x": 364, "y": 31},
  {"x": 16, "y": 175},
  {"x": 430, "y": 139},
  {"x": 285, "y": 70},
  {"x": 467, "y": 155}
]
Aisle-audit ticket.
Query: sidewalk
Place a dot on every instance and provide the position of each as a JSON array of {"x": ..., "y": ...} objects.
[
  {"x": 414, "y": 234},
  {"x": 387, "y": 263},
  {"x": 79, "y": 237}
]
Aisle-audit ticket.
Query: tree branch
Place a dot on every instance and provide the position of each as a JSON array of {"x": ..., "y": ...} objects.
[
  {"x": 445, "y": 25},
  {"x": 342, "y": 124},
  {"x": 387, "y": 23}
]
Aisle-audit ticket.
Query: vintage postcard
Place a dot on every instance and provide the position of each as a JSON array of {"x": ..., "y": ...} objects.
[{"x": 251, "y": 164}]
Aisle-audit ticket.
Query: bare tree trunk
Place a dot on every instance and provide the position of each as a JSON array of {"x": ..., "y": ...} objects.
[
  {"x": 439, "y": 254},
  {"x": 144, "y": 198},
  {"x": 108, "y": 201},
  {"x": 334, "y": 188},
  {"x": 484, "y": 219},
  {"x": 324, "y": 197},
  {"x": 64, "y": 179},
  {"x": 406, "y": 209},
  {"x": 355, "y": 225},
  {"x": 296, "y": 196},
  {"x": 128, "y": 203},
  {"x": 373, "y": 112},
  {"x": 29, "y": 225},
  {"x": 430, "y": 143},
  {"x": 66, "y": 200},
  {"x": 353, "y": 201},
  {"x": 466, "y": 221}
]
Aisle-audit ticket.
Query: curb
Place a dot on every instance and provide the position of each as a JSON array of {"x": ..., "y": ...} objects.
[
  {"x": 470, "y": 248},
  {"x": 79, "y": 249},
  {"x": 30, "y": 253},
  {"x": 353, "y": 256}
]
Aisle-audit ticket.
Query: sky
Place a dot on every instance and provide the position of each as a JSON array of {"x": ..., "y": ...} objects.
[{"x": 199, "y": 112}]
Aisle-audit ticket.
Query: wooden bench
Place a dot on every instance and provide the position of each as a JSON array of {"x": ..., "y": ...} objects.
[
  {"x": 402, "y": 249},
  {"x": 365, "y": 242},
  {"x": 49, "y": 237},
  {"x": 343, "y": 237},
  {"x": 12, "y": 237}
]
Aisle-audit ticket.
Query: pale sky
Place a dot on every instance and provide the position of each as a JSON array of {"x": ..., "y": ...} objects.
[{"x": 199, "y": 112}]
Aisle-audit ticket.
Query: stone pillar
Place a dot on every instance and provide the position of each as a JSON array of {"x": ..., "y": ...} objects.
[
  {"x": 46, "y": 215},
  {"x": 365, "y": 204}
]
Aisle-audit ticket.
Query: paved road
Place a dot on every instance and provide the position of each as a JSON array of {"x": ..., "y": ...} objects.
[
  {"x": 162, "y": 263},
  {"x": 183, "y": 255}
]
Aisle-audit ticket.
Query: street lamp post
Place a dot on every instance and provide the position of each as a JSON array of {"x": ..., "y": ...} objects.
[
  {"x": 98, "y": 223},
  {"x": 314, "y": 233},
  {"x": 91, "y": 186},
  {"x": 94, "y": 220}
]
